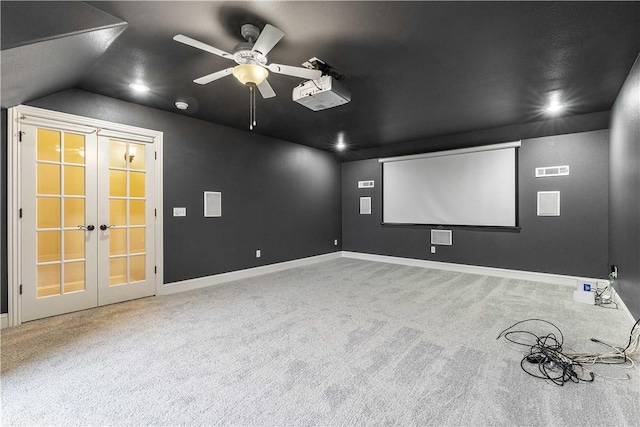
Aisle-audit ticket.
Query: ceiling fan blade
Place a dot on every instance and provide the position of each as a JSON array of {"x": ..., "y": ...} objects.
[
  {"x": 202, "y": 46},
  {"x": 303, "y": 73},
  {"x": 266, "y": 90},
  {"x": 213, "y": 76},
  {"x": 267, "y": 39}
]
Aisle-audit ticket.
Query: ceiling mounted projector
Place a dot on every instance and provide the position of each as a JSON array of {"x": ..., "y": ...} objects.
[{"x": 325, "y": 92}]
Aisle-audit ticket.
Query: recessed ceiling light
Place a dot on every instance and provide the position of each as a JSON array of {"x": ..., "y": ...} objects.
[
  {"x": 180, "y": 105},
  {"x": 340, "y": 144},
  {"x": 554, "y": 106},
  {"x": 139, "y": 87}
]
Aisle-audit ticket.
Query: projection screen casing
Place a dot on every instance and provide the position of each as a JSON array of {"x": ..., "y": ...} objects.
[{"x": 455, "y": 187}]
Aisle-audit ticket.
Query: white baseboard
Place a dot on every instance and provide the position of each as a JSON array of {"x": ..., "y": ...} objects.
[
  {"x": 203, "y": 282},
  {"x": 622, "y": 306},
  {"x": 533, "y": 276},
  {"x": 472, "y": 269}
]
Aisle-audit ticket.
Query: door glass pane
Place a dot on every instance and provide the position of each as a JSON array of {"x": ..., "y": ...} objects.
[
  {"x": 137, "y": 155},
  {"x": 74, "y": 180},
  {"x": 48, "y": 246},
  {"x": 48, "y": 179},
  {"x": 136, "y": 212},
  {"x": 136, "y": 265},
  {"x": 48, "y": 212},
  {"x": 48, "y": 145},
  {"x": 74, "y": 244},
  {"x": 48, "y": 280},
  {"x": 73, "y": 277},
  {"x": 117, "y": 212},
  {"x": 73, "y": 148},
  {"x": 117, "y": 241},
  {"x": 136, "y": 184},
  {"x": 118, "y": 183},
  {"x": 117, "y": 153},
  {"x": 117, "y": 271},
  {"x": 136, "y": 240},
  {"x": 73, "y": 212}
]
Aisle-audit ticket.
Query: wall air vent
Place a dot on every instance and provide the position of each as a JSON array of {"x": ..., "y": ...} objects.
[
  {"x": 212, "y": 204},
  {"x": 548, "y": 203},
  {"x": 552, "y": 171},
  {"x": 441, "y": 237},
  {"x": 365, "y": 184},
  {"x": 365, "y": 205}
]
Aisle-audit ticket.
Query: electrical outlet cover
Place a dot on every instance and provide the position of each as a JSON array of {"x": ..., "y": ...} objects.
[{"x": 587, "y": 285}]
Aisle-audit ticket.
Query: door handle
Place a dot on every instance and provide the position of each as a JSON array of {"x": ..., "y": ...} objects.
[
  {"x": 104, "y": 227},
  {"x": 87, "y": 227}
]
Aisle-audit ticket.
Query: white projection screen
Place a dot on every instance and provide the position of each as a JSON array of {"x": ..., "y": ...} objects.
[{"x": 457, "y": 187}]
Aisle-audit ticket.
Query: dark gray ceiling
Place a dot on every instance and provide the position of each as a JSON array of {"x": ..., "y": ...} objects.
[{"x": 416, "y": 70}]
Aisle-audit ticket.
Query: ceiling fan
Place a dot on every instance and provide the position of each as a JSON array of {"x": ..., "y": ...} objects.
[{"x": 251, "y": 57}]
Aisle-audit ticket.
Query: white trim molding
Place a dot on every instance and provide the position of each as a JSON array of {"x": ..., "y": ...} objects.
[
  {"x": 217, "y": 279},
  {"x": 13, "y": 223},
  {"x": 4, "y": 320},
  {"x": 622, "y": 306},
  {"x": 533, "y": 276},
  {"x": 556, "y": 279}
]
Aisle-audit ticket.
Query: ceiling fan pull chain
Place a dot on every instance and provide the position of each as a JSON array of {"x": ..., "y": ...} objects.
[
  {"x": 252, "y": 106},
  {"x": 251, "y": 111},
  {"x": 253, "y": 98}
]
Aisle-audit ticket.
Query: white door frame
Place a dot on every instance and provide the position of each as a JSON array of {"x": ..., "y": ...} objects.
[{"x": 14, "y": 186}]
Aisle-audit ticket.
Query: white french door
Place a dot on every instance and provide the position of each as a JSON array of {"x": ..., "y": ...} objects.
[
  {"x": 126, "y": 210},
  {"x": 88, "y": 226}
]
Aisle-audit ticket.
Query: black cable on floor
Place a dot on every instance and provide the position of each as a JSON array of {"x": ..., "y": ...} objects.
[{"x": 547, "y": 360}]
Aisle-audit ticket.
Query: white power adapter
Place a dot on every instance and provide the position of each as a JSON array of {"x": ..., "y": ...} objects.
[
  {"x": 585, "y": 297},
  {"x": 585, "y": 291}
]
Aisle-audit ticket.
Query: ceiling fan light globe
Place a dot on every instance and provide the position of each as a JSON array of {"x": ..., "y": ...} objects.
[{"x": 250, "y": 73}]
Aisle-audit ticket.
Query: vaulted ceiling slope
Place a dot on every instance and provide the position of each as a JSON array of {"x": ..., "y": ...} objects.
[
  {"x": 50, "y": 46},
  {"x": 416, "y": 70}
]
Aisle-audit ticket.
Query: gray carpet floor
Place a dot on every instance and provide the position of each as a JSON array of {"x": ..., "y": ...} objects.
[{"x": 343, "y": 342}]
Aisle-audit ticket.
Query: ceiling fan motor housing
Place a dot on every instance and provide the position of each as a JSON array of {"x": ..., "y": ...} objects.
[{"x": 243, "y": 54}]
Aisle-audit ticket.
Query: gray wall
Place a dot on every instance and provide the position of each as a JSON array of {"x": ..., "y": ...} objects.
[
  {"x": 574, "y": 243},
  {"x": 624, "y": 190},
  {"x": 279, "y": 197}
]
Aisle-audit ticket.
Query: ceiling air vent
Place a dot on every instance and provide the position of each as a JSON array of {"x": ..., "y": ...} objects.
[
  {"x": 552, "y": 171},
  {"x": 365, "y": 184}
]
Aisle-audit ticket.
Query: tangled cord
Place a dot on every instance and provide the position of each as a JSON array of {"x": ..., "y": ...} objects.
[
  {"x": 546, "y": 359},
  {"x": 604, "y": 296}
]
